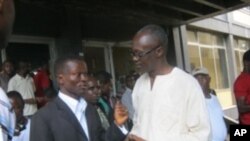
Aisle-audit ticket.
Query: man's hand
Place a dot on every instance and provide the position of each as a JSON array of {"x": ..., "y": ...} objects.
[
  {"x": 41, "y": 99},
  {"x": 132, "y": 137},
  {"x": 120, "y": 113},
  {"x": 30, "y": 101}
]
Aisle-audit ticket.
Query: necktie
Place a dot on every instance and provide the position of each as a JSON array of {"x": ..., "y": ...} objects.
[{"x": 80, "y": 114}]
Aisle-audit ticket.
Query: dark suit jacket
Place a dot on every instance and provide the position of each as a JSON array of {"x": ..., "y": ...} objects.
[{"x": 56, "y": 122}]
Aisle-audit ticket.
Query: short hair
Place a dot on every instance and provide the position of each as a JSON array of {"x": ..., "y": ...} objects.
[
  {"x": 91, "y": 77},
  {"x": 6, "y": 61},
  {"x": 60, "y": 63},
  {"x": 157, "y": 32},
  {"x": 103, "y": 77},
  {"x": 15, "y": 94},
  {"x": 246, "y": 56},
  {"x": 21, "y": 64}
]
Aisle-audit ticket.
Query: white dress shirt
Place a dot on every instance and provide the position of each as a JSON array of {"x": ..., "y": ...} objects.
[{"x": 73, "y": 105}]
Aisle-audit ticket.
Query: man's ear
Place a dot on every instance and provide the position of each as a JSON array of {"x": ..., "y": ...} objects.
[
  {"x": 60, "y": 79},
  {"x": 159, "y": 51}
]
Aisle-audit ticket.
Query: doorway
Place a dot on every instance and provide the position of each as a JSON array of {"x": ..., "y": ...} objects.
[{"x": 29, "y": 52}]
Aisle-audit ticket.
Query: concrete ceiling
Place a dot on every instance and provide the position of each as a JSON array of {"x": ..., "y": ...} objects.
[
  {"x": 173, "y": 12},
  {"x": 126, "y": 16}
]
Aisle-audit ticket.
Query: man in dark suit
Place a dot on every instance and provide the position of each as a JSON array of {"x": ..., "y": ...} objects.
[{"x": 59, "y": 119}]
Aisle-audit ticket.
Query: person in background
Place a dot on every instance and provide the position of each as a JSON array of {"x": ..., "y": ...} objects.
[
  {"x": 169, "y": 103},
  {"x": 24, "y": 84},
  {"x": 22, "y": 129},
  {"x": 218, "y": 126},
  {"x": 242, "y": 91},
  {"x": 106, "y": 101},
  {"x": 42, "y": 83},
  {"x": 6, "y": 74},
  {"x": 92, "y": 95},
  {"x": 127, "y": 97},
  {"x": 7, "y": 116},
  {"x": 69, "y": 117},
  {"x": 120, "y": 87}
]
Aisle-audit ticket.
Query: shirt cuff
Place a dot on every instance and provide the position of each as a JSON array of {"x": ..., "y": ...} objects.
[{"x": 123, "y": 129}]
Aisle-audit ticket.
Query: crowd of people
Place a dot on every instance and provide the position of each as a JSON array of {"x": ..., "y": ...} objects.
[{"x": 162, "y": 103}]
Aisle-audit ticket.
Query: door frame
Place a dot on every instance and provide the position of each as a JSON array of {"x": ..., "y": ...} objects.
[
  {"x": 108, "y": 55},
  {"x": 33, "y": 40}
]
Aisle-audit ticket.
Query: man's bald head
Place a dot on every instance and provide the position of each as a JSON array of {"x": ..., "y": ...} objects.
[{"x": 158, "y": 34}]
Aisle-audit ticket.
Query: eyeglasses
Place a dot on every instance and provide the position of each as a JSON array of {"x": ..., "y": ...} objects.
[{"x": 142, "y": 54}]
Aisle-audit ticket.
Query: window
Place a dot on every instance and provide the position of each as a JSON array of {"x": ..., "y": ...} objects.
[
  {"x": 194, "y": 56},
  {"x": 205, "y": 38},
  {"x": 209, "y": 50},
  {"x": 95, "y": 58},
  {"x": 123, "y": 62},
  {"x": 222, "y": 74},
  {"x": 218, "y": 40},
  {"x": 208, "y": 62},
  {"x": 191, "y": 36},
  {"x": 240, "y": 46}
]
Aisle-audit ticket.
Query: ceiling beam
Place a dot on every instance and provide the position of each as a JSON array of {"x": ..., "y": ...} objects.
[
  {"x": 247, "y": 1},
  {"x": 41, "y": 4},
  {"x": 218, "y": 13},
  {"x": 172, "y": 7},
  {"x": 141, "y": 17},
  {"x": 210, "y": 4},
  {"x": 134, "y": 14}
]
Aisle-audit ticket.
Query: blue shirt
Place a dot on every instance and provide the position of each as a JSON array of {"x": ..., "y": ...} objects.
[{"x": 219, "y": 129}]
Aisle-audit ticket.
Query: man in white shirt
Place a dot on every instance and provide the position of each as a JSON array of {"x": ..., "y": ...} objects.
[
  {"x": 69, "y": 117},
  {"x": 168, "y": 102},
  {"x": 7, "y": 117},
  {"x": 219, "y": 130},
  {"x": 6, "y": 74},
  {"x": 24, "y": 84},
  {"x": 22, "y": 129}
]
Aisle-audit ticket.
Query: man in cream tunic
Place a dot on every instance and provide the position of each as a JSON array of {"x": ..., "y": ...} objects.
[{"x": 169, "y": 104}]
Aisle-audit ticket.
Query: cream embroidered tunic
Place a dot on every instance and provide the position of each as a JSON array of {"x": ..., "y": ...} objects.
[{"x": 173, "y": 110}]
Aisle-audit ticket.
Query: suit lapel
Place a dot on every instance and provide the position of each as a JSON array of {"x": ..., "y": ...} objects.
[{"x": 69, "y": 116}]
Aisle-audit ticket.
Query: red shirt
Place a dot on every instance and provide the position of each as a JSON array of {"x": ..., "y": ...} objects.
[
  {"x": 42, "y": 82},
  {"x": 242, "y": 88}
]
